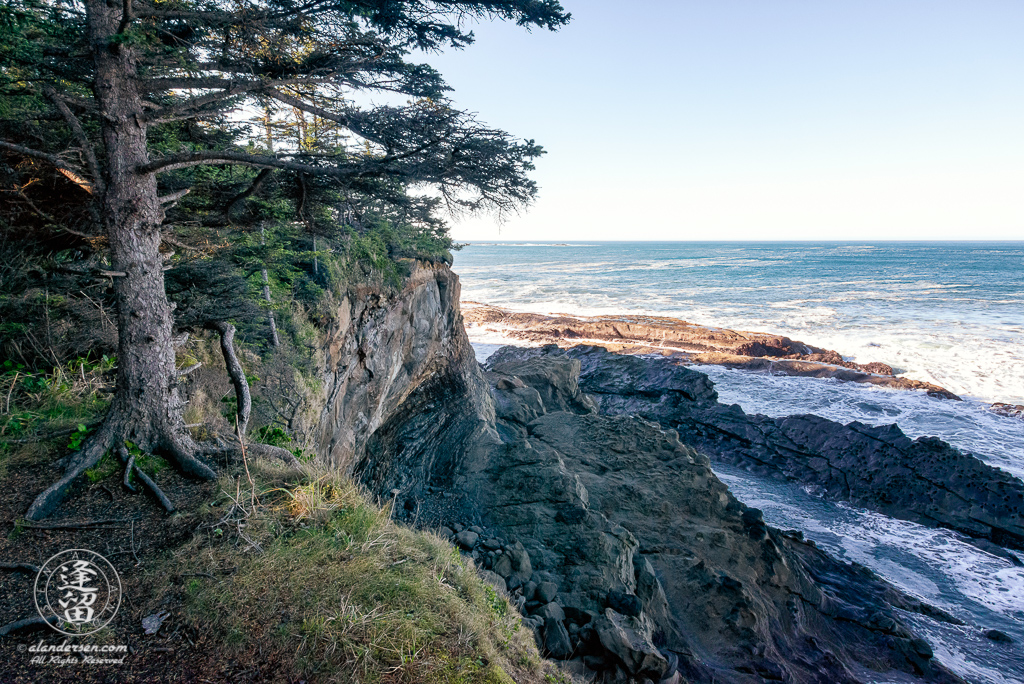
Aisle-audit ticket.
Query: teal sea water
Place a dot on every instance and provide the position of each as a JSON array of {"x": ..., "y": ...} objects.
[{"x": 948, "y": 313}]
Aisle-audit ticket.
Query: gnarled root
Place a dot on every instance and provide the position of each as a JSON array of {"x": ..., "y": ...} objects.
[
  {"x": 267, "y": 451},
  {"x": 175, "y": 443},
  {"x": 255, "y": 450},
  {"x": 34, "y": 622},
  {"x": 89, "y": 455},
  {"x": 130, "y": 466}
]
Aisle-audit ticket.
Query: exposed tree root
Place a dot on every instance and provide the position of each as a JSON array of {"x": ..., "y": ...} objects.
[
  {"x": 23, "y": 567},
  {"x": 128, "y": 467},
  {"x": 254, "y": 449},
  {"x": 157, "y": 492},
  {"x": 174, "y": 443},
  {"x": 86, "y": 458},
  {"x": 27, "y": 623},
  {"x": 235, "y": 371},
  {"x": 182, "y": 449},
  {"x": 131, "y": 467},
  {"x": 267, "y": 451}
]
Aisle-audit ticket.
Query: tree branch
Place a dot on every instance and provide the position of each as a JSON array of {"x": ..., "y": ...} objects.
[
  {"x": 173, "y": 198},
  {"x": 322, "y": 113},
  {"x": 83, "y": 140},
  {"x": 227, "y": 88},
  {"x": 64, "y": 168},
  {"x": 126, "y": 17},
  {"x": 248, "y": 192},
  {"x": 184, "y": 160}
]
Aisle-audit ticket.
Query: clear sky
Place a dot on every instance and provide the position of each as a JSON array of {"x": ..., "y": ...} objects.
[{"x": 760, "y": 119}]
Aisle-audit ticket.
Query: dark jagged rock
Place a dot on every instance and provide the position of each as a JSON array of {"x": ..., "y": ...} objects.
[
  {"x": 596, "y": 506},
  {"x": 923, "y": 480},
  {"x": 997, "y": 636}
]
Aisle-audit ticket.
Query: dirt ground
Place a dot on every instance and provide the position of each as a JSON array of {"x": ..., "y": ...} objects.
[{"x": 134, "y": 535}]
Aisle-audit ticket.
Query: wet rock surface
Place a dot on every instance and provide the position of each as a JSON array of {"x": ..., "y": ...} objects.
[{"x": 923, "y": 480}]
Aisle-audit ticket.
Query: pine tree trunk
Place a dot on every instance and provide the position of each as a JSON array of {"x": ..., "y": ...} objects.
[
  {"x": 146, "y": 408},
  {"x": 146, "y": 396}
]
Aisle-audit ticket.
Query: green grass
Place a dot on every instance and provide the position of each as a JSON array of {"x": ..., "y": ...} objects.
[
  {"x": 36, "y": 405},
  {"x": 327, "y": 582}
]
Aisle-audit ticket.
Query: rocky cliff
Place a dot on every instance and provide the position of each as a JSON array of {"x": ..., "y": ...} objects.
[
  {"x": 923, "y": 480},
  {"x": 623, "y": 550}
]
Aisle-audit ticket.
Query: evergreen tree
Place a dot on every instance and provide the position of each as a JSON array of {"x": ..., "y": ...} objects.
[{"x": 133, "y": 102}]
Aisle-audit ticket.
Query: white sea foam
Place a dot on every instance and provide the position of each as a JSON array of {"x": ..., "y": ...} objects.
[
  {"x": 937, "y": 566},
  {"x": 968, "y": 425},
  {"x": 982, "y": 362}
]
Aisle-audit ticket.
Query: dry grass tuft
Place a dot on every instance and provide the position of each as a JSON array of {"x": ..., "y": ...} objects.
[{"x": 324, "y": 583}]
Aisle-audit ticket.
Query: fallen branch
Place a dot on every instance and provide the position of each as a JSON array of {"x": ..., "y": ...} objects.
[
  {"x": 191, "y": 369},
  {"x": 73, "y": 525},
  {"x": 27, "y": 623},
  {"x": 197, "y": 574},
  {"x": 24, "y": 567}
]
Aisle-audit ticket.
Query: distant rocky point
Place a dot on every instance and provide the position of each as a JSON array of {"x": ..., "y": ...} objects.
[{"x": 694, "y": 344}]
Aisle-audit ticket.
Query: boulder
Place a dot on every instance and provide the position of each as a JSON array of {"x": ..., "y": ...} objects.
[
  {"x": 556, "y": 640},
  {"x": 494, "y": 580},
  {"x": 627, "y": 604},
  {"x": 503, "y": 565},
  {"x": 629, "y": 640},
  {"x": 467, "y": 539},
  {"x": 997, "y": 636},
  {"x": 521, "y": 565},
  {"x": 551, "y": 610},
  {"x": 556, "y": 379},
  {"x": 546, "y": 592}
]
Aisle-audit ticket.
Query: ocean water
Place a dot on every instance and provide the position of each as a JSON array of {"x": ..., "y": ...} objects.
[{"x": 949, "y": 313}]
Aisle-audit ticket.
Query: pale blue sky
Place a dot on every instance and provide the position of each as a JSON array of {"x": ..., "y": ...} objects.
[{"x": 760, "y": 119}]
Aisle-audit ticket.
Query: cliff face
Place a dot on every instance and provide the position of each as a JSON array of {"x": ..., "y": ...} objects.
[
  {"x": 623, "y": 550},
  {"x": 400, "y": 361}
]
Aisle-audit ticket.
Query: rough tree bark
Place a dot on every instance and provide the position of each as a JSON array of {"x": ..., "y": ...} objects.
[{"x": 146, "y": 408}]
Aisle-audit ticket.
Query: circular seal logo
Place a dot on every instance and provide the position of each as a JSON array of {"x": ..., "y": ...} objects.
[{"x": 81, "y": 589}]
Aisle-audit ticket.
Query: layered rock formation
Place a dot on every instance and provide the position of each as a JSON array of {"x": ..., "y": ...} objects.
[
  {"x": 691, "y": 343},
  {"x": 923, "y": 480},
  {"x": 629, "y": 558}
]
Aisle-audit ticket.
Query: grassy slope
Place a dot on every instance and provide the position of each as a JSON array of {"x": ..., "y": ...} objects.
[{"x": 304, "y": 571}]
